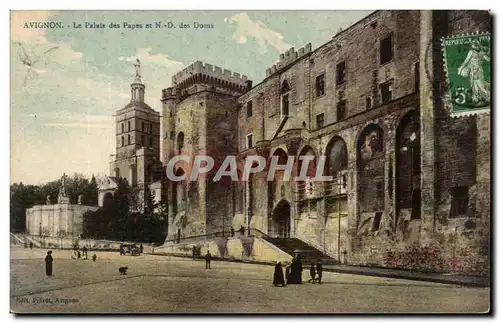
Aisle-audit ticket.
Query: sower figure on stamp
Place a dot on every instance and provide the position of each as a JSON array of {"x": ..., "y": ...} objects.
[
  {"x": 208, "y": 259},
  {"x": 48, "y": 263}
]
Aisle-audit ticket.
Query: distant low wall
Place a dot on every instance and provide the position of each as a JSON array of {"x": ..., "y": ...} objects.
[
  {"x": 53, "y": 219},
  {"x": 68, "y": 243}
]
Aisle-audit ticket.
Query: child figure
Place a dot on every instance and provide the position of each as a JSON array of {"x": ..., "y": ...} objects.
[
  {"x": 94, "y": 257},
  {"x": 312, "y": 271}
]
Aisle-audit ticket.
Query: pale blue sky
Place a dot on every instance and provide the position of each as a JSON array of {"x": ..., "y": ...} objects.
[{"x": 67, "y": 83}]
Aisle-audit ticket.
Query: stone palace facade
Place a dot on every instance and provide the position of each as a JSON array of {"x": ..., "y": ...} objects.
[{"x": 373, "y": 100}]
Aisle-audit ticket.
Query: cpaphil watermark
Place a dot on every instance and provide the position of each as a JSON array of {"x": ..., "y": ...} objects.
[{"x": 185, "y": 168}]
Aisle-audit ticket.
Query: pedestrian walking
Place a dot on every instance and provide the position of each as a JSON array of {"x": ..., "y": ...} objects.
[
  {"x": 312, "y": 272},
  {"x": 141, "y": 247},
  {"x": 94, "y": 257},
  {"x": 31, "y": 245},
  {"x": 79, "y": 254},
  {"x": 278, "y": 278},
  {"x": 48, "y": 263},
  {"x": 85, "y": 251},
  {"x": 319, "y": 271},
  {"x": 208, "y": 259},
  {"x": 288, "y": 274}
]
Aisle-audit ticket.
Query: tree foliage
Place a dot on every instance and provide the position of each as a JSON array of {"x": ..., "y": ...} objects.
[{"x": 23, "y": 197}]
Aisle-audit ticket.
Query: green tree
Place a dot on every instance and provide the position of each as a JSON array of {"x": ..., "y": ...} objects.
[{"x": 92, "y": 192}]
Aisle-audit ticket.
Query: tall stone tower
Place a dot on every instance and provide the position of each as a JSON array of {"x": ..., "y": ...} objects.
[
  {"x": 137, "y": 156},
  {"x": 200, "y": 118}
]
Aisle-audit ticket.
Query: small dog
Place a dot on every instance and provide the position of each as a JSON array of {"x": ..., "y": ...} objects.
[{"x": 123, "y": 270}]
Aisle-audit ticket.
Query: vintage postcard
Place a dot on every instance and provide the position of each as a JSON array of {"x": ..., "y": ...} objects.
[{"x": 250, "y": 161}]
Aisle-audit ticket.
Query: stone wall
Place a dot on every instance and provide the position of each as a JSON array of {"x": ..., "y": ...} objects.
[
  {"x": 394, "y": 208},
  {"x": 55, "y": 219}
]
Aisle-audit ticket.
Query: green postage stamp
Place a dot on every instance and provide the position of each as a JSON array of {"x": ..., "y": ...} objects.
[{"x": 468, "y": 65}]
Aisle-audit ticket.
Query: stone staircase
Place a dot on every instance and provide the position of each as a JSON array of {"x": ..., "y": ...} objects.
[
  {"x": 308, "y": 253},
  {"x": 17, "y": 240}
]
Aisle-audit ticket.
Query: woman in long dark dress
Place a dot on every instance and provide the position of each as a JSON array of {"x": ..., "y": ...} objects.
[
  {"x": 48, "y": 263},
  {"x": 278, "y": 278},
  {"x": 299, "y": 269}
]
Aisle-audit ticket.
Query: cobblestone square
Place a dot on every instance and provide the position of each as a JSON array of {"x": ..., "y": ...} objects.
[{"x": 158, "y": 284}]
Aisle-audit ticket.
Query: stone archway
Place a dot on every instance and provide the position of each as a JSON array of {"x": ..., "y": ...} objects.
[{"x": 280, "y": 220}]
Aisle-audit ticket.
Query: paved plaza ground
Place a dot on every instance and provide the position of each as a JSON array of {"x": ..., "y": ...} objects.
[{"x": 159, "y": 284}]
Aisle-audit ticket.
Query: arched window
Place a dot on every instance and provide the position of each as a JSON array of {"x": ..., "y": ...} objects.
[
  {"x": 370, "y": 169},
  {"x": 306, "y": 188},
  {"x": 408, "y": 163},
  {"x": 279, "y": 173},
  {"x": 336, "y": 156}
]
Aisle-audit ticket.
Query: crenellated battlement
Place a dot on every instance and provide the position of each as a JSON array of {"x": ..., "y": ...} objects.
[
  {"x": 201, "y": 69},
  {"x": 288, "y": 57}
]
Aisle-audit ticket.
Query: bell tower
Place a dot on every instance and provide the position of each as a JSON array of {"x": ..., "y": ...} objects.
[{"x": 137, "y": 137}]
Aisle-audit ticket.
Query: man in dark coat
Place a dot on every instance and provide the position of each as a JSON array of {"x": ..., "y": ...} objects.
[
  {"x": 296, "y": 270},
  {"x": 319, "y": 270},
  {"x": 208, "y": 259},
  {"x": 141, "y": 247},
  {"x": 85, "y": 251},
  {"x": 278, "y": 278},
  {"x": 48, "y": 263}
]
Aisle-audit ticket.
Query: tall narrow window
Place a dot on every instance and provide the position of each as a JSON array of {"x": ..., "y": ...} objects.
[
  {"x": 128, "y": 126},
  {"x": 249, "y": 109},
  {"x": 143, "y": 127},
  {"x": 368, "y": 102},
  {"x": 128, "y": 139},
  {"x": 123, "y": 141},
  {"x": 341, "y": 110},
  {"x": 386, "y": 92},
  {"x": 416, "y": 204},
  {"x": 123, "y": 130},
  {"x": 284, "y": 106},
  {"x": 386, "y": 49},
  {"x": 180, "y": 142},
  {"x": 376, "y": 221},
  {"x": 320, "y": 120},
  {"x": 150, "y": 141},
  {"x": 417, "y": 76},
  {"x": 285, "y": 90},
  {"x": 320, "y": 85},
  {"x": 143, "y": 140},
  {"x": 341, "y": 72},
  {"x": 459, "y": 201},
  {"x": 249, "y": 141}
]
